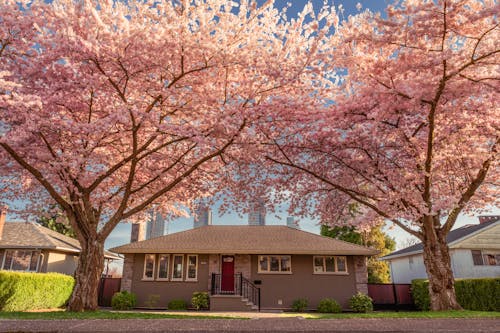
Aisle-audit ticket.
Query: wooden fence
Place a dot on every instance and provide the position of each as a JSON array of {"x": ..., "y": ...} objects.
[{"x": 391, "y": 296}]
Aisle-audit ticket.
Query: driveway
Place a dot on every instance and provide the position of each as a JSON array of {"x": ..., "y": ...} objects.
[{"x": 255, "y": 325}]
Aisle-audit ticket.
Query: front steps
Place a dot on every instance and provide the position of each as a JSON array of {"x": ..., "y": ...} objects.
[{"x": 231, "y": 303}]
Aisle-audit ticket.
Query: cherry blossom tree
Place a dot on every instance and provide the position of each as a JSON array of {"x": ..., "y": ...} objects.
[
  {"x": 108, "y": 108},
  {"x": 411, "y": 136}
]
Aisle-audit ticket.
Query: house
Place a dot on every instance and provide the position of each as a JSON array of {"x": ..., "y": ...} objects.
[
  {"x": 474, "y": 252},
  {"x": 242, "y": 267},
  {"x": 26, "y": 246}
]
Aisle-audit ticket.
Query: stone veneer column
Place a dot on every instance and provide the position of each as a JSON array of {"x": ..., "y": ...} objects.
[
  {"x": 213, "y": 267},
  {"x": 128, "y": 265},
  {"x": 243, "y": 265},
  {"x": 361, "y": 274}
]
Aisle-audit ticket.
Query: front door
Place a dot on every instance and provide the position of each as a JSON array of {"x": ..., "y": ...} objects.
[{"x": 227, "y": 283}]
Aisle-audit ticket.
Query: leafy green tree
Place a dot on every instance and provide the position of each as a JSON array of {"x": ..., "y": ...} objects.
[
  {"x": 53, "y": 222},
  {"x": 378, "y": 271}
]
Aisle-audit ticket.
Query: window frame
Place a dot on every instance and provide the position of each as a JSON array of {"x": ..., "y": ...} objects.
[
  {"x": 325, "y": 272},
  {"x": 173, "y": 267},
  {"x": 144, "y": 277},
  {"x": 268, "y": 271},
  {"x": 159, "y": 266},
  {"x": 4, "y": 257},
  {"x": 187, "y": 268},
  {"x": 484, "y": 256}
]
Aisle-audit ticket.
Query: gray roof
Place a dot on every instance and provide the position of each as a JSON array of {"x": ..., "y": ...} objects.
[
  {"x": 453, "y": 235},
  {"x": 28, "y": 235},
  {"x": 245, "y": 240}
]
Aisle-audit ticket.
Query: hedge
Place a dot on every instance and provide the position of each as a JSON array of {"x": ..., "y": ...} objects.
[
  {"x": 21, "y": 291},
  {"x": 472, "y": 294}
]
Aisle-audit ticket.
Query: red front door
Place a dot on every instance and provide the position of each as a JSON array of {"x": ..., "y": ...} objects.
[{"x": 227, "y": 283}]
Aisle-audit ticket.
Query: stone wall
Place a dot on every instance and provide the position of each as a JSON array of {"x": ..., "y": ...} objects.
[
  {"x": 361, "y": 274},
  {"x": 242, "y": 264},
  {"x": 213, "y": 267},
  {"x": 128, "y": 271}
]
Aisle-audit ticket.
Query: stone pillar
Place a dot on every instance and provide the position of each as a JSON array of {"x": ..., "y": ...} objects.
[
  {"x": 127, "y": 275},
  {"x": 213, "y": 267},
  {"x": 243, "y": 265},
  {"x": 361, "y": 274}
]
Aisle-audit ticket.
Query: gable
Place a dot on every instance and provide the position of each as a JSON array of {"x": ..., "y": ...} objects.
[{"x": 487, "y": 239}]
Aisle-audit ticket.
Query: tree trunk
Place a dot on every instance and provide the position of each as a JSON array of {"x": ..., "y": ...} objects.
[
  {"x": 438, "y": 266},
  {"x": 87, "y": 275}
]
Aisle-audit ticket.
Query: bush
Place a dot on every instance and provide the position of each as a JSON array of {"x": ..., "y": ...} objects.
[
  {"x": 472, "y": 294},
  {"x": 177, "y": 304},
  {"x": 123, "y": 300},
  {"x": 20, "y": 291},
  {"x": 361, "y": 303},
  {"x": 200, "y": 300},
  {"x": 329, "y": 305},
  {"x": 299, "y": 305}
]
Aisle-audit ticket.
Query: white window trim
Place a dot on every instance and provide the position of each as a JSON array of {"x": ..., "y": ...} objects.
[
  {"x": 144, "y": 277},
  {"x": 31, "y": 256},
  {"x": 173, "y": 267},
  {"x": 268, "y": 271},
  {"x": 187, "y": 267},
  {"x": 337, "y": 272},
  {"x": 168, "y": 267}
]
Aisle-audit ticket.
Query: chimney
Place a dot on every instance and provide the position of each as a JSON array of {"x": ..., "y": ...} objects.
[
  {"x": 488, "y": 218},
  {"x": 138, "y": 232},
  {"x": 3, "y": 214}
]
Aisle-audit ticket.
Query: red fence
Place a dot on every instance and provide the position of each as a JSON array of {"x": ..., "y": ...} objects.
[
  {"x": 389, "y": 294},
  {"x": 107, "y": 288}
]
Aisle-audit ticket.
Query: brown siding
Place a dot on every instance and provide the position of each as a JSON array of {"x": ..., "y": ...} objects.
[
  {"x": 302, "y": 283},
  {"x": 168, "y": 290},
  {"x": 1, "y": 258}
]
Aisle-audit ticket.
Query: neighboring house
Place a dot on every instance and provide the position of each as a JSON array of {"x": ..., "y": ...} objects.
[
  {"x": 26, "y": 246},
  {"x": 474, "y": 252},
  {"x": 237, "y": 263}
]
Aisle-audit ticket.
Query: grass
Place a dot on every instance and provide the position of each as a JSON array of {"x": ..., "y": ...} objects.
[
  {"x": 58, "y": 315},
  {"x": 106, "y": 315},
  {"x": 404, "y": 314}
]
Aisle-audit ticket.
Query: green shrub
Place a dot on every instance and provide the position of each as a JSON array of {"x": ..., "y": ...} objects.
[
  {"x": 152, "y": 301},
  {"x": 300, "y": 305},
  {"x": 177, "y": 304},
  {"x": 329, "y": 305},
  {"x": 200, "y": 300},
  {"x": 420, "y": 294},
  {"x": 361, "y": 303},
  {"x": 123, "y": 300},
  {"x": 21, "y": 291},
  {"x": 472, "y": 294}
]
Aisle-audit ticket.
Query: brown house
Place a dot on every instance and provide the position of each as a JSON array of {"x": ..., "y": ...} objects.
[
  {"x": 29, "y": 247},
  {"x": 244, "y": 267}
]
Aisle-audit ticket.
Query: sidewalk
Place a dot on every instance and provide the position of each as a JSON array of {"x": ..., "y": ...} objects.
[{"x": 482, "y": 325}]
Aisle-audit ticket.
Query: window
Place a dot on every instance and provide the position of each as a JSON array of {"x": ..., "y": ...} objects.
[
  {"x": 275, "y": 264},
  {"x": 177, "y": 267},
  {"x": 149, "y": 267},
  {"x": 329, "y": 264},
  {"x": 480, "y": 258},
  {"x": 192, "y": 268},
  {"x": 21, "y": 260},
  {"x": 163, "y": 266}
]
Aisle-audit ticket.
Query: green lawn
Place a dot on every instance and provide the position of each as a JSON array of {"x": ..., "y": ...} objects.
[
  {"x": 208, "y": 315},
  {"x": 412, "y": 314},
  {"x": 105, "y": 315}
]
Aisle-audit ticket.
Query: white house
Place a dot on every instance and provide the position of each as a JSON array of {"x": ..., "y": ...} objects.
[{"x": 474, "y": 252}]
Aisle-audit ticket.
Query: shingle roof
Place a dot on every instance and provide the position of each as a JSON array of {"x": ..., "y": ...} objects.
[
  {"x": 18, "y": 235},
  {"x": 245, "y": 240},
  {"x": 453, "y": 236}
]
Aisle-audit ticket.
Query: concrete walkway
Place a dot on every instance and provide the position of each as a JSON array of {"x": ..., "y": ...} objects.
[{"x": 482, "y": 325}]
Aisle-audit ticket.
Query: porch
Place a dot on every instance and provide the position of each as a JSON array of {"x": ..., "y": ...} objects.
[{"x": 233, "y": 291}]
